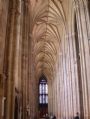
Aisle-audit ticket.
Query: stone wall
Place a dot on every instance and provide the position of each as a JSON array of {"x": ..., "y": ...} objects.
[
  {"x": 70, "y": 84},
  {"x": 3, "y": 25}
]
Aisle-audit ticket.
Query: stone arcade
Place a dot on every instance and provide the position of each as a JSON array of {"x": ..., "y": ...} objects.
[{"x": 49, "y": 38}]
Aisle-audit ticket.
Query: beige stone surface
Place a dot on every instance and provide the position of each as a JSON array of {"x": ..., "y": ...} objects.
[{"x": 50, "y": 38}]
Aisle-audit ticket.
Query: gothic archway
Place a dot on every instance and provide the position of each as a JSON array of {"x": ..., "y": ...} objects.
[{"x": 43, "y": 97}]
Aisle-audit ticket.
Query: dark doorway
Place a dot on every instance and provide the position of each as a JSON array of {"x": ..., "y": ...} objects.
[
  {"x": 43, "y": 97},
  {"x": 16, "y": 109}
]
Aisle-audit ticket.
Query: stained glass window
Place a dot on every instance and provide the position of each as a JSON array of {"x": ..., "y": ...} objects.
[{"x": 43, "y": 92}]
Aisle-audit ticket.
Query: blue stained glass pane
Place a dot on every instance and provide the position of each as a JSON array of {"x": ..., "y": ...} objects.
[
  {"x": 46, "y": 89},
  {"x": 40, "y": 99},
  {"x": 43, "y": 92},
  {"x": 43, "y": 99},
  {"x": 46, "y": 99},
  {"x": 43, "y": 88},
  {"x": 40, "y": 89}
]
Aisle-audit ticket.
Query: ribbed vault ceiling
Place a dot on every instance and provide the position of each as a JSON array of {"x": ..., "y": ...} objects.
[{"x": 47, "y": 23}]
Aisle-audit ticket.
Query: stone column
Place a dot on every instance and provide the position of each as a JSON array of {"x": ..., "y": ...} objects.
[
  {"x": 13, "y": 37},
  {"x": 84, "y": 58},
  {"x": 3, "y": 23},
  {"x": 25, "y": 59}
]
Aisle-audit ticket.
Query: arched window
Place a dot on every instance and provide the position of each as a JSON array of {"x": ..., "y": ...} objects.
[{"x": 43, "y": 91}]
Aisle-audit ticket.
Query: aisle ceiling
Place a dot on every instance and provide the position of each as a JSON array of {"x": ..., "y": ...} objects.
[{"x": 47, "y": 23}]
